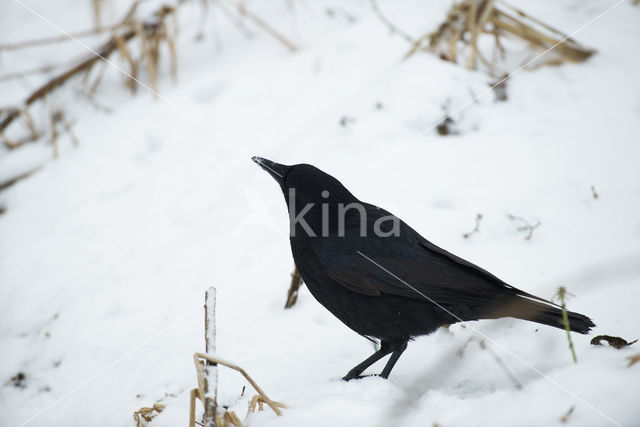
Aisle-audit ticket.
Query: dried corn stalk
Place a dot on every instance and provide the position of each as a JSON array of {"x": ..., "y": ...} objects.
[
  {"x": 457, "y": 38},
  {"x": 152, "y": 31},
  {"x": 207, "y": 374}
]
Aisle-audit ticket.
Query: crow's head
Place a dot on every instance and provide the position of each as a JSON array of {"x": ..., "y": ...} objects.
[{"x": 306, "y": 183}]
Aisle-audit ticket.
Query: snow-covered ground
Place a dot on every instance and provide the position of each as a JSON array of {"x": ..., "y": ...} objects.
[{"x": 106, "y": 252}]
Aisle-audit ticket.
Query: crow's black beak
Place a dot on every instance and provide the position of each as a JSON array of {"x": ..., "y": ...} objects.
[{"x": 276, "y": 170}]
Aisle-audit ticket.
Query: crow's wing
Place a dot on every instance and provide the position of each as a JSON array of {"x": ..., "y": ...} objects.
[{"x": 409, "y": 266}]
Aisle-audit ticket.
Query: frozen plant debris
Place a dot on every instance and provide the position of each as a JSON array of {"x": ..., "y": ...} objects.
[
  {"x": 476, "y": 229},
  {"x": 633, "y": 360},
  {"x": 294, "y": 287},
  {"x": 615, "y": 342},
  {"x": 565, "y": 417},
  {"x": 460, "y": 38},
  {"x": 18, "y": 380},
  {"x": 525, "y": 226},
  {"x": 145, "y": 414}
]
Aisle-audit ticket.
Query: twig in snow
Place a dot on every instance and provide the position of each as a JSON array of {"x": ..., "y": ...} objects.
[
  {"x": 495, "y": 357},
  {"x": 31, "y": 71},
  {"x": 394, "y": 29},
  {"x": 262, "y": 396},
  {"x": 97, "y": 11},
  {"x": 56, "y": 117},
  {"x": 345, "y": 121},
  {"x": 18, "y": 380},
  {"x": 565, "y": 417},
  {"x": 9, "y": 182},
  {"x": 633, "y": 360},
  {"x": 335, "y": 11},
  {"x": 238, "y": 21},
  {"x": 242, "y": 10},
  {"x": 236, "y": 400},
  {"x": 501, "y": 363},
  {"x": 58, "y": 39},
  {"x": 526, "y": 226},
  {"x": 93, "y": 101},
  {"x": 560, "y": 294},
  {"x": 207, "y": 374},
  {"x": 292, "y": 293},
  {"x": 476, "y": 229},
  {"x": 28, "y": 122},
  {"x": 210, "y": 380}
]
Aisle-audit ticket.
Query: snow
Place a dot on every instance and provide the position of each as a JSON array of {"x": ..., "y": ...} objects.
[{"x": 106, "y": 252}]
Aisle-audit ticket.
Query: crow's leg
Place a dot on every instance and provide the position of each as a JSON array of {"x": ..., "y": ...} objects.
[
  {"x": 398, "y": 349},
  {"x": 386, "y": 347}
]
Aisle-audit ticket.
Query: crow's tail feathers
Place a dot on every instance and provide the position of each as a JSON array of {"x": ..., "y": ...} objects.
[{"x": 547, "y": 313}]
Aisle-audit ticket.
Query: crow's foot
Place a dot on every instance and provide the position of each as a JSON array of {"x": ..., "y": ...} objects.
[{"x": 356, "y": 376}]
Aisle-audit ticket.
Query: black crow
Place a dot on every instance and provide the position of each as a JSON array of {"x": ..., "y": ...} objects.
[{"x": 383, "y": 279}]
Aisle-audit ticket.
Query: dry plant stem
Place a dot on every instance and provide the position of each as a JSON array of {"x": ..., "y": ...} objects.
[
  {"x": 11, "y": 181},
  {"x": 242, "y": 10},
  {"x": 58, "y": 39},
  {"x": 272, "y": 404},
  {"x": 542, "y": 24},
  {"x": 392, "y": 27},
  {"x": 565, "y": 418},
  {"x": 210, "y": 382},
  {"x": 472, "y": 27},
  {"x": 476, "y": 229},
  {"x": 292, "y": 293},
  {"x": 152, "y": 54},
  {"x": 526, "y": 227},
  {"x": 477, "y": 21},
  {"x": 495, "y": 357},
  {"x": 561, "y": 292},
  {"x": 472, "y": 16},
  {"x": 230, "y": 418},
  {"x": 145, "y": 414},
  {"x": 102, "y": 52},
  {"x": 31, "y": 71},
  {"x": 502, "y": 365},
  {"x": 100, "y": 72},
  {"x": 48, "y": 87},
  {"x": 54, "y": 131},
  {"x": 192, "y": 407},
  {"x": 416, "y": 45},
  {"x": 10, "y": 144},
  {"x": 30, "y": 123},
  {"x": 57, "y": 116},
  {"x": 170, "y": 38},
  {"x": 238, "y": 22},
  {"x": 124, "y": 52},
  {"x": 569, "y": 49},
  {"x": 97, "y": 12},
  {"x": 89, "y": 97}
]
